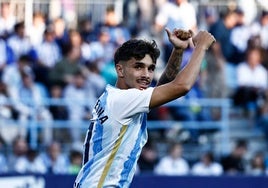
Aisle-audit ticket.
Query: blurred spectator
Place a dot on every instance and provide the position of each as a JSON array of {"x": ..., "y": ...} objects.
[
  {"x": 208, "y": 17},
  {"x": 48, "y": 54},
  {"x": 101, "y": 55},
  {"x": 32, "y": 163},
  {"x": 234, "y": 163},
  {"x": 171, "y": 14},
  {"x": 250, "y": 9},
  {"x": 94, "y": 81},
  {"x": 28, "y": 98},
  {"x": 252, "y": 81},
  {"x": 55, "y": 161},
  {"x": 138, "y": 16},
  {"x": 5, "y": 107},
  {"x": 76, "y": 94},
  {"x": 3, "y": 160},
  {"x": 213, "y": 79},
  {"x": 8, "y": 130},
  {"x": 263, "y": 4},
  {"x": 3, "y": 57},
  {"x": 61, "y": 33},
  {"x": 220, "y": 56},
  {"x": 173, "y": 163},
  {"x": 207, "y": 166},
  {"x": 262, "y": 119},
  {"x": 86, "y": 29},
  {"x": 260, "y": 30},
  {"x": 19, "y": 43},
  {"x": 36, "y": 30},
  {"x": 240, "y": 36},
  {"x": 69, "y": 13},
  {"x": 148, "y": 159},
  {"x": 76, "y": 159},
  {"x": 7, "y": 20},
  {"x": 145, "y": 12},
  {"x": 12, "y": 73},
  {"x": 77, "y": 42},
  {"x": 118, "y": 32},
  {"x": 59, "y": 112},
  {"x": 102, "y": 50},
  {"x": 62, "y": 72},
  {"x": 20, "y": 149},
  {"x": 257, "y": 164}
]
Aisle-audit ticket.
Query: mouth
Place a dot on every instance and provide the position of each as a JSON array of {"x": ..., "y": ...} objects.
[{"x": 144, "y": 84}]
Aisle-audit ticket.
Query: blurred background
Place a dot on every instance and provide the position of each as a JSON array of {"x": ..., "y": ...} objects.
[{"x": 56, "y": 56}]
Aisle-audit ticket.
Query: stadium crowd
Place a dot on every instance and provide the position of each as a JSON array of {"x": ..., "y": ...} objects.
[{"x": 51, "y": 60}]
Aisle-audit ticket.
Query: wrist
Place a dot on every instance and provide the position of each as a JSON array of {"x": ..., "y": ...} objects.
[
  {"x": 201, "y": 47},
  {"x": 178, "y": 50}
]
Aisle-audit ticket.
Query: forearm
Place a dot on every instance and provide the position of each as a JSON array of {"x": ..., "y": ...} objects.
[
  {"x": 182, "y": 83},
  {"x": 188, "y": 75},
  {"x": 172, "y": 68}
]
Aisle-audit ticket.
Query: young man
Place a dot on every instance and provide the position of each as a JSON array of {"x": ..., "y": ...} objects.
[{"x": 117, "y": 131}]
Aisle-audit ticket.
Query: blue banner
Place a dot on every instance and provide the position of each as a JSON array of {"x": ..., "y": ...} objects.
[{"x": 142, "y": 181}]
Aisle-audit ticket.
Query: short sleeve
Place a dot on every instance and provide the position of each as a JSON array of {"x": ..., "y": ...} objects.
[{"x": 127, "y": 103}]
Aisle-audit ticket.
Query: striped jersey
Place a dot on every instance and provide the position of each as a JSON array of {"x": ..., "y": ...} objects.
[{"x": 115, "y": 138}]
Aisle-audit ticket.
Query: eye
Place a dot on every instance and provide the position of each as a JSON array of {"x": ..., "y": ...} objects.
[
  {"x": 151, "y": 68},
  {"x": 138, "y": 67}
]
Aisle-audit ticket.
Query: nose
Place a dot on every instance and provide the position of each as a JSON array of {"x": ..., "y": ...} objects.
[{"x": 146, "y": 73}]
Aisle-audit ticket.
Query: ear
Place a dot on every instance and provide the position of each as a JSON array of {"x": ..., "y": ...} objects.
[{"x": 119, "y": 70}]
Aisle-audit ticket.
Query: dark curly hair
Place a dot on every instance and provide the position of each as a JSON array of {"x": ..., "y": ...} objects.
[{"x": 136, "y": 48}]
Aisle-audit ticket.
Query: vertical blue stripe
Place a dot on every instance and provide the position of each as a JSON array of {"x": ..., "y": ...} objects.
[
  {"x": 97, "y": 139},
  {"x": 128, "y": 165},
  {"x": 97, "y": 134}
]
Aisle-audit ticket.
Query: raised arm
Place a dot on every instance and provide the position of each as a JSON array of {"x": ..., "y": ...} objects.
[
  {"x": 180, "y": 40},
  {"x": 185, "y": 79}
]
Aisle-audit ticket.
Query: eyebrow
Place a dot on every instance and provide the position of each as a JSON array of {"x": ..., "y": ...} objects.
[{"x": 140, "y": 62}]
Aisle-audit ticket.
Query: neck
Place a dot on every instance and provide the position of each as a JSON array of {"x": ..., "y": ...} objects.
[{"x": 120, "y": 85}]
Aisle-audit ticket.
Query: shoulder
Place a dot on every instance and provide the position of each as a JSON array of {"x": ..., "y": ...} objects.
[
  {"x": 165, "y": 159},
  {"x": 216, "y": 165},
  {"x": 187, "y": 7},
  {"x": 183, "y": 161},
  {"x": 130, "y": 101},
  {"x": 167, "y": 8},
  {"x": 242, "y": 65},
  {"x": 262, "y": 68},
  {"x": 128, "y": 92}
]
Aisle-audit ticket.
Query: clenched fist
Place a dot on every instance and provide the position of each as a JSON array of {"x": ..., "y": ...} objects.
[
  {"x": 204, "y": 39},
  {"x": 179, "y": 38},
  {"x": 183, "y": 34}
]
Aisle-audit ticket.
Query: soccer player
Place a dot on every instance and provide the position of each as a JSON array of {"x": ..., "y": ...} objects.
[{"x": 117, "y": 131}]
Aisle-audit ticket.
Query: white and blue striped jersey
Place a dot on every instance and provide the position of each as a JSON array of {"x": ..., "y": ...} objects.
[{"x": 115, "y": 138}]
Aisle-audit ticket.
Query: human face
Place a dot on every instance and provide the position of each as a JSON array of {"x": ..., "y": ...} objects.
[
  {"x": 136, "y": 73},
  {"x": 254, "y": 58},
  {"x": 176, "y": 152}
]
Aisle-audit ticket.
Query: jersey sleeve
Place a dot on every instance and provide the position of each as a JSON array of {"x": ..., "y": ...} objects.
[{"x": 127, "y": 103}]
